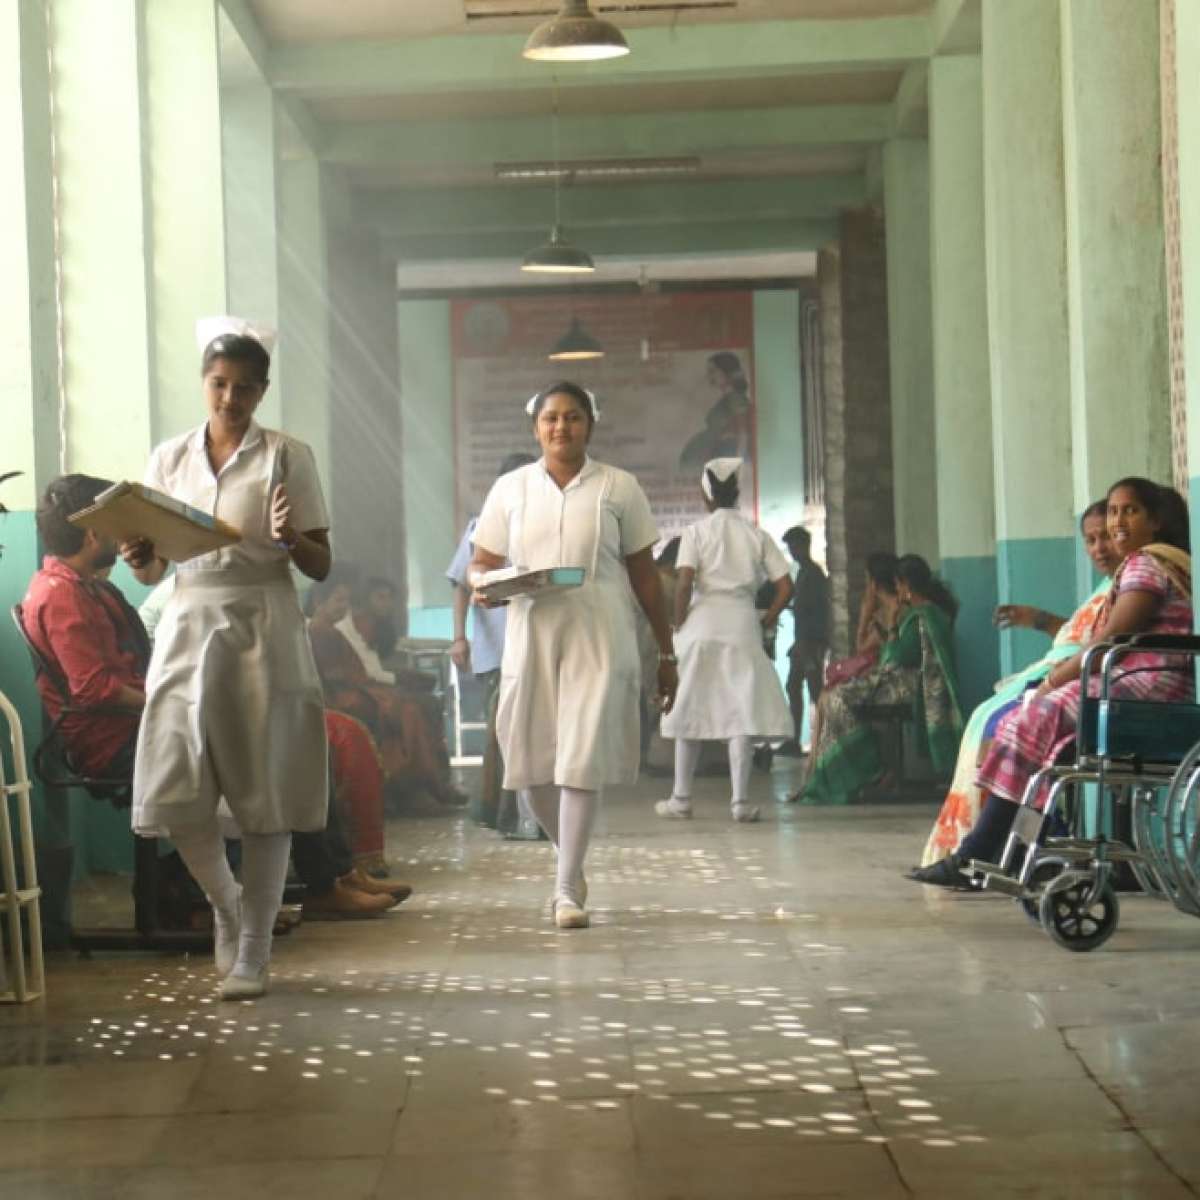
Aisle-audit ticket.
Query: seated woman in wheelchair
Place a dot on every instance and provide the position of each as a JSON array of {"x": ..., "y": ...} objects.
[
  {"x": 960, "y": 810},
  {"x": 1151, "y": 593}
]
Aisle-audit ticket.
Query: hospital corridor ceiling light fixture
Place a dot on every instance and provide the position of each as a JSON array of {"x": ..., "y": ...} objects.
[
  {"x": 558, "y": 257},
  {"x": 576, "y": 34},
  {"x": 576, "y": 345}
]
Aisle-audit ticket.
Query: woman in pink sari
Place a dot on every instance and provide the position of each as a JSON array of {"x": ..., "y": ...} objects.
[{"x": 1151, "y": 593}]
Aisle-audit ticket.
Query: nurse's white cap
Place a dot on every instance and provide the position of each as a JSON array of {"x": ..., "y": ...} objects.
[
  {"x": 531, "y": 403},
  {"x": 720, "y": 469},
  {"x": 208, "y": 329}
]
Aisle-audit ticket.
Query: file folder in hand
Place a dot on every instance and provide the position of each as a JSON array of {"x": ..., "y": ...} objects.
[
  {"x": 131, "y": 510},
  {"x": 504, "y": 584}
]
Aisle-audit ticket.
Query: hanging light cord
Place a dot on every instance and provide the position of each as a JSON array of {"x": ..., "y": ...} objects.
[{"x": 555, "y": 149}]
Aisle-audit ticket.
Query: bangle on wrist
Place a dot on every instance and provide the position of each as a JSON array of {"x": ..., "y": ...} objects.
[{"x": 668, "y": 658}]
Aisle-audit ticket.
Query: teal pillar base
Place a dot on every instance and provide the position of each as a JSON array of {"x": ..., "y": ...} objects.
[
  {"x": 976, "y": 639},
  {"x": 1037, "y": 571}
]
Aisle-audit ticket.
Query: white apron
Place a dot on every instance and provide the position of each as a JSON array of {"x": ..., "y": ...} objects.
[
  {"x": 568, "y": 711},
  {"x": 727, "y": 685},
  {"x": 234, "y": 707}
]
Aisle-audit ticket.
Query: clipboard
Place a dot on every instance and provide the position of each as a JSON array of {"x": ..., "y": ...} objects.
[
  {"x": 508, "y": 582},
  {"x": 178, "y": 531}
]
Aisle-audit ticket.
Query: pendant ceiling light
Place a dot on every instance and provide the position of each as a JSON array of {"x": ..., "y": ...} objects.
[
  {"x": 558, "y": 256},
  {"x": 576, "y": 345},
  {"x": 575, "y": 35}
]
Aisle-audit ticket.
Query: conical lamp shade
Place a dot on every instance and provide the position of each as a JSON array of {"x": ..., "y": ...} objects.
[
  {"x": 575, "y": 35},
  {"x": 576, "y": 345},
  {"x": 559, "y": 257}
]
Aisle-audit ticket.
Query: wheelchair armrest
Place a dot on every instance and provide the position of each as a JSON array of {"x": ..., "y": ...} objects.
[{"x": 1182, "y": 643}]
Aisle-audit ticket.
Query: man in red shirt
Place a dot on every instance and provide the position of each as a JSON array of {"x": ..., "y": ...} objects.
[{"x": 83, "y": 626}]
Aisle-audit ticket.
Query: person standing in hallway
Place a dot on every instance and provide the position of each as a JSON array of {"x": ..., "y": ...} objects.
[
  {"x": 728, "y": 689},
  {"x": 481, "y": 654},
  {"x": 233, "y": 700},
  {"x": 810, "y": 615},
  {"x": 567, "y": 718}
]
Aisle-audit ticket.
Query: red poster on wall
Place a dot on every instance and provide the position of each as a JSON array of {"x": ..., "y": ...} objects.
[{"x": 675, "y": 388}]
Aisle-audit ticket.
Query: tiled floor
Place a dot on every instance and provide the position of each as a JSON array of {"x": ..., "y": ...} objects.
[{"x": 758, "y": 1011}]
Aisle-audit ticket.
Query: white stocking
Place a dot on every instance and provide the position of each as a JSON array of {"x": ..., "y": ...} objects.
[
  {"x": 264, "y": 872},
  {"x": 543, "y": 803},
  {"x": 741, "y": 759},
  {"x": 203, "y": 853},
  {"x": 687, "y": 759},
  {"x": 576, "y": 817}
]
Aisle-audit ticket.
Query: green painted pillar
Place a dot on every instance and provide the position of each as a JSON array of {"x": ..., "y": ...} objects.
[
  {"x": 182, "y": 97},
  {"x": 1187, "y": 92},
  {"x": 961, "y": 372},
  {"x": 1029, "y": 352},
  {"x": 303, "y": 353},
  {"x": 427, "y": 419},
  {"x": 250, "y": 163},
  {"x": 910, "y": 345},
  {"x": 1112, "y": 141},
  {"x": 101, "y": 208}
]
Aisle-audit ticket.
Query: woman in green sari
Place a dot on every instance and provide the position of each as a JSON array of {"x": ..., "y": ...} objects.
[{"x": 916, "y": 666}]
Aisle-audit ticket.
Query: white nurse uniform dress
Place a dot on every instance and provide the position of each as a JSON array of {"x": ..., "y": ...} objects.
[
  {"x": 233, "y": 700},
  {"x": 727, "y": 686},
  {"x": 570, "y": 675}
]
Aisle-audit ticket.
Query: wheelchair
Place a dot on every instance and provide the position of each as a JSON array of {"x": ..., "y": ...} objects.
[{"x": 1143, "y": 759}]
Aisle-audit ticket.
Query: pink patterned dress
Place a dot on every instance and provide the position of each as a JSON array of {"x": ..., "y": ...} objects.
[{"x": 1032, "y": 736}]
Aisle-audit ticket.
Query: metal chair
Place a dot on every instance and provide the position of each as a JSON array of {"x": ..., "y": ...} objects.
[
  {"x": 1141, "y": 753},
  {"x": 53, "y": 766}
]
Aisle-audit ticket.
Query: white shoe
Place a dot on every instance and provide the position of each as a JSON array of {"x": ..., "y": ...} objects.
[
  {"x": 745, "y": 813},
  {"x": 569, "y": 915},
  {"x": 679, "y": 809},
  {"x": 245, "y": 986},
  {"x": 226, "y": 938}
]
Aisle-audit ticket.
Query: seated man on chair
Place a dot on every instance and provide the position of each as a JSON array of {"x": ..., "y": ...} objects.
[{"x": 82, "y": 625}]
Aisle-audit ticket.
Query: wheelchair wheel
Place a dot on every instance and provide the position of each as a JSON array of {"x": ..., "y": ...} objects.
[
  {"x": 1046, "y": 870},
  {"x": 1075, "y": 924}
]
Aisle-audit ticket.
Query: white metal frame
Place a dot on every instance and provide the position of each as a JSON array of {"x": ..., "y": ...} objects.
[
  {"x": 459, "y": 759},
  {"x": 21, "y": 985}
]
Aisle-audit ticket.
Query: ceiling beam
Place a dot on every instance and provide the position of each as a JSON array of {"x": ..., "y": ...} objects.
[
  {"x": 956, "y": 27},
  {"x": 520, "y": 139},
  {"x": 719, "y": 237},
  {"x": 247, "y": 28},
  {"x": 435, "y": 211},
  {"x": 661, "y": 54},
  {"x": 912, "y": 102}
]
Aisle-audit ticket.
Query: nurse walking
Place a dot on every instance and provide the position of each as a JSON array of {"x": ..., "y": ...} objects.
[
  {"x": 728, "y": 689},
  {"x": 568, "y": 714},
  {"x": 233, "y": 705}
]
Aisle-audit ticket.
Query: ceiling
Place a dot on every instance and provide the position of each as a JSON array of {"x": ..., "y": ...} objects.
[
  {"x": 784, "y": 104},
  {"x": 298, "y": 22}
]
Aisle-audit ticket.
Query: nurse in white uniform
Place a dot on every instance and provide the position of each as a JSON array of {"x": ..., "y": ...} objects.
[
  {"x": 567, "y": 719},
  {"x": 728, "y": 689},
  {"x": 233, "y": 703}
]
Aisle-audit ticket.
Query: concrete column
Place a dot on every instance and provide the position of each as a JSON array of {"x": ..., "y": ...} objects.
[
  {"x": 29, "y": 383},
  {"x": 103, "y": 235},
  {"x": 961, "y": 374},
  {"x": 1028, "y": 339},
  {"x": 1112, "y": 141},
  {"x": 303, "y": 353},
  {"x": 1187, "y": 85},
  {"x": 910, "y": 343},
  {"x": 183, "y": 105},
  {"x": 250, "y": 161},
  {"x": 427, "y": 416}
]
